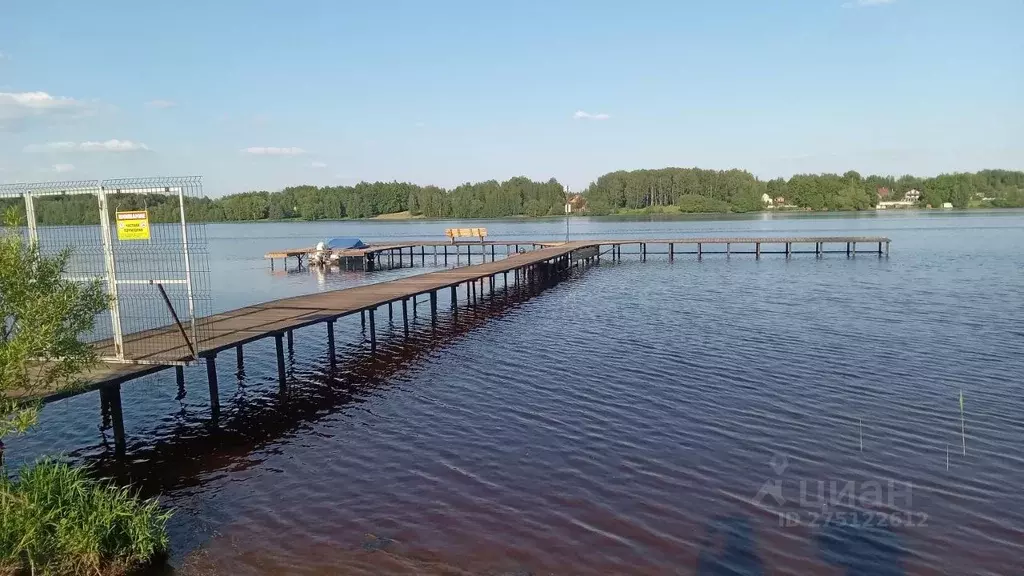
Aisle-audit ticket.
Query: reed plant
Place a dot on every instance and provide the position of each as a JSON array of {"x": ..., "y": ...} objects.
[{"x": 55, "y": 520}]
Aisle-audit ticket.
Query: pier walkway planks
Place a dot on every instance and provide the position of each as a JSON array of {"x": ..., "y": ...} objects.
[{"x": 237, "y": 327}]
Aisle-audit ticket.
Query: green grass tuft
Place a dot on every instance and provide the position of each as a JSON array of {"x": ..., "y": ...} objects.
[{"x": 56, "y": 520}]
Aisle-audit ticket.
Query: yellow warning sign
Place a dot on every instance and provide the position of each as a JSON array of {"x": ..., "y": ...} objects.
[{"x": 133, "y": 225}]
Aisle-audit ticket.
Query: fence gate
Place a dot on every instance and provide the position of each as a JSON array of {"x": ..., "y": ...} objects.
[{"x": 134, "y": 237}]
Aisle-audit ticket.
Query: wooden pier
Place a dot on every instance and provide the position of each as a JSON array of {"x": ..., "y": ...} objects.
[
  {"x": 393, "y": 255},
  {"x": 545, "y": 261}
]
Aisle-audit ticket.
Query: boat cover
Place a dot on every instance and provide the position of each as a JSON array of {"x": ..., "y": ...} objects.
[{"x": 343, "y": 243}]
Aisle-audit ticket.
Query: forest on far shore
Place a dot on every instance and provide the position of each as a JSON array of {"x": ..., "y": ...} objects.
[{"x": 675, "y": 190}]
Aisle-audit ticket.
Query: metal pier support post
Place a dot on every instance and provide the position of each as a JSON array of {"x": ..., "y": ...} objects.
[
  {"x": 757, "y": 250},
  {"x": 112, "y": 399},
  {"x": 879, "y": 248},
  {"x": 179, "y": 376},
  {"x": 887, "y": 249},
  {"x": 854, "y": 248},
  {"x": 492, "y": 252},
  {"x": 700, "y": 251},
  {"x": 671, "y": 252},
  {"x": 279, "y": 343},
  {"x": 373, "y": 330},
  {"x": 433, "y": 308},
  {"x": 211, "y": 376},
  {"x": 239, "y": 363},
  {"x": 847, "y": 248},
  {"x": 391, "y": 313},
  {"x": 446, "y": 255},
  {"x": 330, "y": 341},
  {"x": 362, "y": 319},
  {"x": 423, "y": 256},
  {"x": 291, "y": 343},
  {"x": 789, "y": 249},
  {"x": 728, "y": 249},
  {"x": 405, "y": 315}
]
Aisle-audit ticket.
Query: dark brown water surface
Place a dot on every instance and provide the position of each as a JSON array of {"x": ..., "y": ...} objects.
[{"x": 622, "y": 421}]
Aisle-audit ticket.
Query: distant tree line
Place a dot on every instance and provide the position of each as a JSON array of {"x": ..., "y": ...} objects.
[
  {"x": 681, "y": 189},
  {"x": 696, "y": 190},
  {"x": 515, "y": 197}
]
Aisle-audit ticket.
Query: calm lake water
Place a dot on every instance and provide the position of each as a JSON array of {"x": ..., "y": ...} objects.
[{"x": 640, "y": 418}]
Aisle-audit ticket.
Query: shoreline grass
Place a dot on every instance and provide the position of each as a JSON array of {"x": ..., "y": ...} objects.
[{"x": 56, "y": 520}]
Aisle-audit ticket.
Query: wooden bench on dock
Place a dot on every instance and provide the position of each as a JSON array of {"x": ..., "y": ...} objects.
[{"x": 456, "y": 233}]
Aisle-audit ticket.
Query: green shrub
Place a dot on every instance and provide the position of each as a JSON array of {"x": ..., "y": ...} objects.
[{"x": 54, "y": 519}]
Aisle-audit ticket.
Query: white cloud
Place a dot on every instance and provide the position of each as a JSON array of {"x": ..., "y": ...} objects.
[
  {"x": 866, "y": 3},
  {"x": 62, "y": 168},
  {"x": 17, "y": 109},
  {"x": 273, "y": 151},
  {"x": 161, "y": 104},
  {"x": 581, "y": 115},
  {"x": 113, "y": 145},
  {"x": 316, "y": 164}
]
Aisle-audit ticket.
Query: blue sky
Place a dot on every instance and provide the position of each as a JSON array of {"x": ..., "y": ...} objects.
[{"x": 261, "y": 94}]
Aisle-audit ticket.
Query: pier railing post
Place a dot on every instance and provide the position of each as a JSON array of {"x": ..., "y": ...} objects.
[{"x": 671, "y": 252}]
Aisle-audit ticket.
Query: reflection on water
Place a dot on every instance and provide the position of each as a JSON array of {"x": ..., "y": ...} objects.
[{"x": 621, "y": 421}]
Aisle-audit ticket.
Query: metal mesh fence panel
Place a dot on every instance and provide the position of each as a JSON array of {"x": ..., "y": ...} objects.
[
  {"x": 63, "y": 216},
  {"x": 155, "y": 282},
  {"x": 161, "y": 279}
]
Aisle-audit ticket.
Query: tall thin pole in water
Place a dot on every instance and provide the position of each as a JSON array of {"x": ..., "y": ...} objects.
[
  {"x": 568, "y": 208},
  {"x": 860, "y": 425},
  {"x": 963, "y": 430}
]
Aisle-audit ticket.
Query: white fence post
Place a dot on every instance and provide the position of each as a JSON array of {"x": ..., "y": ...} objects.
[
  {"x": 188, "y": 273},
  {"x": 109, "y": 264},
  {"x": 30, "y": 217}
]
